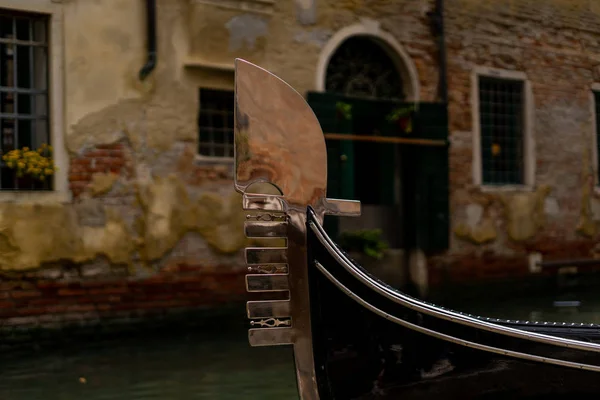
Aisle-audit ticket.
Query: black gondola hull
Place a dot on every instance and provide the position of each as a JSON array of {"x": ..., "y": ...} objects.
[{"x": 360, "y": 353}]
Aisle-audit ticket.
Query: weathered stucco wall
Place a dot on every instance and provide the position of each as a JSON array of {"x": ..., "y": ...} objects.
[
  {"x": 146, "y": 211},
  {"x": 131, "y": 146},
  {"x": 144, "y": 207},
  {"x": 149, "y": 227}
]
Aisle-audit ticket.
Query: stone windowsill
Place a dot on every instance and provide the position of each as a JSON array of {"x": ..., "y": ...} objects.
[
  {"x": 507, "y": 188},
  {"x": 204, "y": 160},
  {"x": 41, "y": 197}
]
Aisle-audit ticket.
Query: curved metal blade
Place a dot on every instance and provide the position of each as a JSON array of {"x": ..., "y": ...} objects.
[{"x": 278, "y": 138}]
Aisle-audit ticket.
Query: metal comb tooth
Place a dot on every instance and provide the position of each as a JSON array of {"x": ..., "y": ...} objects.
[
  {"x": 265, "y": 229},
  {"x": 267, "y": 283},
  {"x": 266, "y": 255},
  {"x": 268, "y": 309},
  {"x": 270, "y": 336}
]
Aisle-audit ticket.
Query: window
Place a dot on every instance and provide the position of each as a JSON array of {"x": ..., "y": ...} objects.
[
  {"x": 361, "y": 67},
  {"x": 501, "y": 131},
  {"x": 215, "y": 123},
  {"x": 24, "y": 98}
]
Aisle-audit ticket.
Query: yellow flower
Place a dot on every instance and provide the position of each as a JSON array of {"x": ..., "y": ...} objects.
[
  {"x": 48, "y": 171},
  {"x": 496, "y": 149}
]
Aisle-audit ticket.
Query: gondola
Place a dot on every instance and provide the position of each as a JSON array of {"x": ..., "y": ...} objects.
[{"x": 354, "y": 336}]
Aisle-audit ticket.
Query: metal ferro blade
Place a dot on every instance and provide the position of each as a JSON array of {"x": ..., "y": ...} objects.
[
  {"x": 265, "y": 229},
  {"x": 271, "y": 336},
  {"x": 266, "y": 255},
  {"x": 278, "y": 140},
  {"x": 268, "y": 308},
  {"x": 267, "y": 283}
]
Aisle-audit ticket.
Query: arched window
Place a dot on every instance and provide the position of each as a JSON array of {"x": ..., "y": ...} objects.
[{"x": 361, "y": 67}]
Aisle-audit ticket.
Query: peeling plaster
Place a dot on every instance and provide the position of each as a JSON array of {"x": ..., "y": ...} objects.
[
  {"x": 32, "y": 235},
  {"x": 306, "y": 11},
  {"x": 244, "y": 30},
  {"x": 317, "y": 37},
  {"x": 524, "y": 212},
  {"x": 102, "y": 183},
  {"x": 478, "y": 228},
  {"x": 551, "y": 207}
]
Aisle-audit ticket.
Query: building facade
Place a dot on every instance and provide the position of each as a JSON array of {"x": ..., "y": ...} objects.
[{"x": 136, "y": 212}]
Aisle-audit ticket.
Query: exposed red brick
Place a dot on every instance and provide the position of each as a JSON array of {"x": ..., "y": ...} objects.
[
  {"x": 170, "y": 289},
  {"x": 71, "y": 292},
  {"x": 112, "y": 158},
  {"x": 18, "y": 294}
]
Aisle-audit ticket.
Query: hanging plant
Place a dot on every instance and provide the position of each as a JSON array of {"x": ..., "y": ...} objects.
[
  {"x": 35, "y": 163},
  {"x": 403, "y": 117},
  {"x": 343, "y": 110},
  {"x": 367, "y": 241}
]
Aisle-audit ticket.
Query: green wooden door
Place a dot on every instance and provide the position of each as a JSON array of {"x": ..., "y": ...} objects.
[
  {"x": 426, "y": 182},
  {"x": 366, "y": 171},
  {"x": 334, "y": 118}
]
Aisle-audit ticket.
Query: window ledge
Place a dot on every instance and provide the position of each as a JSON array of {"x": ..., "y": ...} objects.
[
  {"x": 33, "y": 197},
  {"x": 204, "y": 64},
  {"x": 205, "y": 160},
  {"x": 507, "y": 188}
]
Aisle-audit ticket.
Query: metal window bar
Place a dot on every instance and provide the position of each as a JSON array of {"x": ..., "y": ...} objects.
[
  {"x": 23, "y": 89},
  {"x": 215, "y": 123},
  {"x": 501, "y": 122}
]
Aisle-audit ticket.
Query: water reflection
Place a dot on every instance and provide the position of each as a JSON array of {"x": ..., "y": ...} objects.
[
  {"x": 213, "y": 360},
  {"x": 577, "y": 306},
  {"x": 175, "y": 365}
]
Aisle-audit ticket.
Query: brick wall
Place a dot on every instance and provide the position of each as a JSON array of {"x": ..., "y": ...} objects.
[
  {"x": 557, "y": 44},
  {"x": 92, "y": 294},
  {"x": 111, "y": 158}
]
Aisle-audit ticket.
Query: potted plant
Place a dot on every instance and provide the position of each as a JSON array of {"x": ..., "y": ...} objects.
[
  {"x": 402, "y": 117},
  {"x": 367, "y": 242},
  {"x": 343, "y": 110},
  {"x": 369, "y": 249},
  {"x": 31, "y": 166}
]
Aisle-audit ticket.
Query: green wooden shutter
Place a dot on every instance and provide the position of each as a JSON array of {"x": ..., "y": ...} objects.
[
  {"x": 430, "y": 180},
  {"x": 340, "y": 153}
]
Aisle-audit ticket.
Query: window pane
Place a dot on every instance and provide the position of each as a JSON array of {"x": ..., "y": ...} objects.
[
  {"x": 22, "y": 27},
  {"x": 501, "y": 119},
  {"x": 23, "y": 93},
  {"x": 215, "y": 123}
]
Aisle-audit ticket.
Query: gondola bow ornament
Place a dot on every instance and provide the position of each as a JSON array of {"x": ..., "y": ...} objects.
[
  {"x": 354, "y": 336},
  {"x": 278, "y": 140}
]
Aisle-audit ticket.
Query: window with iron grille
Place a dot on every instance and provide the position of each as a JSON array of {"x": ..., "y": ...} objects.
[
  {"x": 501, "y": 116},
  {"x": 23, "y": 92},
  {"x": 215, "y": 123}
]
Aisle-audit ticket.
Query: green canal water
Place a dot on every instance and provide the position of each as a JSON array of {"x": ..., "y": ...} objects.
[
  {"x": 208, "y": 361},
  {"x": 212, "y": 360}
]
